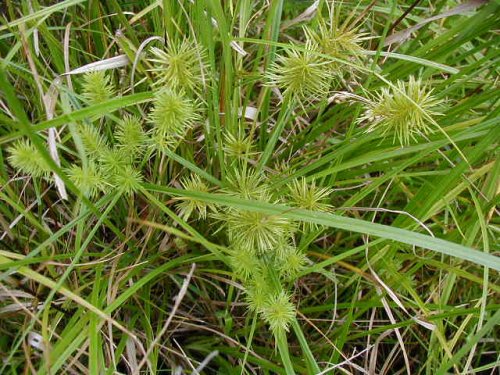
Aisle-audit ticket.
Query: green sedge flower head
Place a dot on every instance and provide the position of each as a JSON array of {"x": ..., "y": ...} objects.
[
  {"x": 88, "y": 179},
  {"x": 173, "y": 113},
  {"x": 113, "y": 160},
  {"x": 290, "y": 263},
  {"x": 161, "y": 143},
  {"x": 92, "y": 140},
  {"x": 244, "y": 263},
  {"x": 180, "y": 66},
  {"x": 283, "y": 168},
  {"x": 255, "y": 231},
  {"x": 127, "y": 180},
  {"x": 309, "y": 196},
  {"x": 248, "y": 184},
  {"x": 278, "y": 312},
  {"x": 257, "y": 292},
  {"x": 26, "y": 158},
  {"x": 187, "y": 205},
  {"x": 337, "y": 41},
  {"x": 97, "y": 87},
  {"x": 283, "y": 250},
  {"x": 404, "y": 110},
  {"x": 239, "y": 146},
  {"x": 301, "y": 74},
  {"x": 131, "y": 137}
]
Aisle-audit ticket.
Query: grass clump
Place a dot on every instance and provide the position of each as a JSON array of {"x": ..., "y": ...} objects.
[{"x": 273, "y": 187}]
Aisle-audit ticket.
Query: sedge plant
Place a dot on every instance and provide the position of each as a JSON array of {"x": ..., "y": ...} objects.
[{"x": 261, "y": 151}]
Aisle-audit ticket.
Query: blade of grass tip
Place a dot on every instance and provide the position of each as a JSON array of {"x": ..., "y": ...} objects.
[
  {"x": 81, "y": 114},
  {"x": 345, "y": 223},
  {"x": 286, "y": 111},
  {"x": 113, "y": 6},
  {"x": 267, "y": 53},
  {"x": 66, "y": 43},
  {"x": 416, "y": 60},
  {"x": 188, "y": 165},
  {"x": 485, "y": 288},
  {"x": 138, "y": 56},
  {"x": 469, "y": 343},
  {"x": 402, "y": 35},
  {"x": 110, "y": 63},
  {"x": 44, "y": 12},
  {"x": 94, "y": 334},
  {"x": 307, "y": 15},
  {"x": 249, "y": 342},
  {"x": 311, "y": 361},
  {"x": 282, "y": 344}
]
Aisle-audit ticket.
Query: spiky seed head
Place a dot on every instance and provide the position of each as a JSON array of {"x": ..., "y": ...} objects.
[
  {"x": 341, "y": 43},
  {"x": 283, "y": 250},
  {"x": 278, "y": 312},
  {"x": 26, "y": 158},
  {"x": 405, "y": 110},
  {"x": 257, "y": 291},
  {"x": 113, "y": 159},
  {"x": 245, "y": 264},
  {"x": 301, "y": 74},
  {"x": 238, "y": 146},
  {"x": 97, "y": 87},
  {"x": 290, "y": 263},
  {"x": 248, "y": 184},
  {"x": 88, "y": 179},
  {"x": 92, "y": 140},
  {"x": 161, "y": 143},
  {"x": 127, "y": 180},
  {"x": 252, "y": 231},
  {"x": 337, "y": 41},
  {"x": 131, "y": 136},
  {"x": 309, "y": 196},
  {"x": 180, "y": 65},
  {"x": 173, "y": 113},
  {"x": 187, "y": 205},
  {"x": 256, "y": 231},
  {"x": 283, "y": 168}
]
